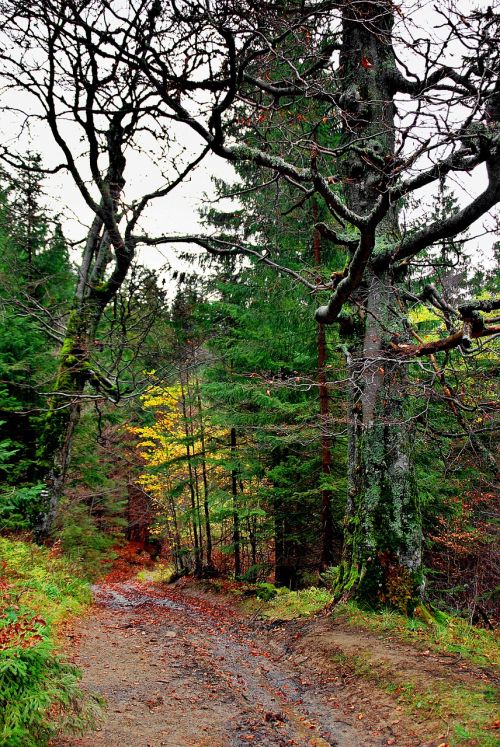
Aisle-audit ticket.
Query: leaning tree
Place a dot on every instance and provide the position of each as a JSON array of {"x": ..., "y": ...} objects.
[
  {"x": 416, "y": 106},
  {"x": 61, "y": 78}
]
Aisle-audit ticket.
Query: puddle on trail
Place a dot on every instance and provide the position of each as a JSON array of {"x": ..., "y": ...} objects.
[{"x": 113, "y": 599}]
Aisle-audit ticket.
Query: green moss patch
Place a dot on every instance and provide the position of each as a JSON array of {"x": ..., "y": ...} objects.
[{"x": 290, "y": 605}]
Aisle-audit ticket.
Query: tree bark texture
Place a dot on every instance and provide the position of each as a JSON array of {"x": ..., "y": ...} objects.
[
  {"x": 139, "y": 514},
  {"x": 382, "y": 556},
  {"x": 206, "y": 507},
  {"x": 236, "y": 516}
]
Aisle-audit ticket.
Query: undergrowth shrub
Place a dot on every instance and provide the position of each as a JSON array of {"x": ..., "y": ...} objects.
[
  {"x": 83, "y": 542},
  {"x": 19, "y": 506},
  {"x": 266, "y": 591},
  {"x": 162, "y": 573},
  {"x": 40, "y": 696},
  {"x": 288, "y": 605},
  {"x": 39, "y": 692}
]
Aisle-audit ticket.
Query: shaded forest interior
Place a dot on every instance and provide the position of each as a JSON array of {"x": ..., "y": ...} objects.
[
  {"x": 223, "y": 460},
  {"x": 306, "y": 394}
]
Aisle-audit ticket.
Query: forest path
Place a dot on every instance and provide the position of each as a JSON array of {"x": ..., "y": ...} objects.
[{"x": 178, "y": 668}]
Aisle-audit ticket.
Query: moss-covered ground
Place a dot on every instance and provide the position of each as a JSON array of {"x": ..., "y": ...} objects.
[{"x": 439, "y": 671}]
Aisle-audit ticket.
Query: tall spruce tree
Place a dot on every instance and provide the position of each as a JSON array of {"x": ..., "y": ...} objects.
[
  {"x": 36, "y": 282},
  {"x": 263, "y": 381}
]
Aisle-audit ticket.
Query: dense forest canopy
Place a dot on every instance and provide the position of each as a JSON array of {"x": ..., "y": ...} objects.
[{"x": 318, "y": 395}]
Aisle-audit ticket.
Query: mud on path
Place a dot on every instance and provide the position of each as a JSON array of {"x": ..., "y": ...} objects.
[{"x": 179, "y": 668}]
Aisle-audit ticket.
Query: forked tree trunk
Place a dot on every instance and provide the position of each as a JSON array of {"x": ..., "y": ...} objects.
[{"x": 93, "y": 293}]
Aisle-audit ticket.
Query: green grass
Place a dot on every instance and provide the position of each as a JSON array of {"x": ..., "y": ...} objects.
[
  {"x": 464, "y": 711},
  {"x": 39, "y": 692},
  {"x": 289, "y": 605},
  {"x": 442, "y": 633},
  {"x": 43, "y": 581},
  {"x": 445, "y": 634}
]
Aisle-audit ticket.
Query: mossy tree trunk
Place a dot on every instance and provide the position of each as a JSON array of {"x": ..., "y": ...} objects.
[
  {"x": 382, "y": 558},
  {"x": 76, "y": 369},
  {"x": 54, "y": 447},
  {"x": 105, "y": 248}
]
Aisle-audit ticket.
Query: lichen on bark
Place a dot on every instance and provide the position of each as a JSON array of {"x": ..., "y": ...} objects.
[{"x": 382, "y": 559}]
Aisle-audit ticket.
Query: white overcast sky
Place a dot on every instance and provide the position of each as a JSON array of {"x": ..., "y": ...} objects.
[{"x": 176, "y": 214}]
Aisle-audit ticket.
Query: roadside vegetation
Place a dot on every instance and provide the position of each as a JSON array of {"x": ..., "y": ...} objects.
[
  {"x": 40, "y": 591},
  {"x": 440, "y": 671}
]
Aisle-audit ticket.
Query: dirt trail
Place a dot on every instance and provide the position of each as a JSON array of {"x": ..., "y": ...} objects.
[{"x": 179, "y": 669}]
